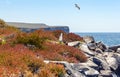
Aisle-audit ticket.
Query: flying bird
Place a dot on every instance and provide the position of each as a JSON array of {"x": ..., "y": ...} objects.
[{"x": 77, "y": 6}]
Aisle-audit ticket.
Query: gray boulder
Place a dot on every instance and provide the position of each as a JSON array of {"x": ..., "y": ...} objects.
[
  {"x": 74, "y": 43},
  {"x": 101, "y": 46},
  {"x": 87, "y": 71},
  {"x": 105, "y": 73},
  {"x": 92, "y": 46},
  {"x": 114, "y": 47},
  {"x": 86, "y": 50},
  {"x": 89, "y": 39},
  {"x": 112, "y": 62},
  {"x": 101, "y": 62},
  {"x": 86, "y": 68},
  {"x": 117, "y": 56},
  {"x": 118, "y": 50}
]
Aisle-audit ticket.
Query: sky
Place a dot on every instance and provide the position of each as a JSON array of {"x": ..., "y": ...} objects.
[{"x": 93, "y": 16}]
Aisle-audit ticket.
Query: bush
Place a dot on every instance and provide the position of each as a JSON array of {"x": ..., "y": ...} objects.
[
  {"x": 73, "y": 37},
  {"x": 67, "y": 37},
  {"x": 45, "y": 34},
  {"x": 52, "y": 70},
  {"x": 30, "y": 39},
  {"x": 18, "y": 59},
  {"x": 57, "y": 69},
  {"x": 62, "y": 53}
]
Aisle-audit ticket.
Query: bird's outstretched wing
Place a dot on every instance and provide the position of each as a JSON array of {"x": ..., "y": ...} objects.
[{"x": 77, "y": 6}]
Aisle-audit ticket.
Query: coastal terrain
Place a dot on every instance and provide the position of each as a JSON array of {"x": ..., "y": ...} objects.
[{"x": 39, "y": 53}]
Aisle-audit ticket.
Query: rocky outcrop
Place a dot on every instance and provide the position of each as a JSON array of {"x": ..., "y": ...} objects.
[
  {"x": 103, "y": 61},
  {"x": 30, "y": 27}
]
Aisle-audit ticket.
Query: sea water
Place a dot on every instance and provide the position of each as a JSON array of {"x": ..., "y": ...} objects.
[{"x": 109, "y": 39}]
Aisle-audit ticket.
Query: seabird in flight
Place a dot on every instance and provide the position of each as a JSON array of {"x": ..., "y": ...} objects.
[{"x": 77, "y": 6}]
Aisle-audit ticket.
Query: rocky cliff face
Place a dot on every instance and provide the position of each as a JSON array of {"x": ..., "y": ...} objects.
[{"x": 30, "y": 27}]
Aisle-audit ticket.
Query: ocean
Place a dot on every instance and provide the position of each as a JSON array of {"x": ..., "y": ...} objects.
[{"x": 108, "y": 39}]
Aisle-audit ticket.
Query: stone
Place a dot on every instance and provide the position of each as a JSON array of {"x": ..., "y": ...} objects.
[
  {"x": 85, "y": 49},
  {"x": 86, "y": 68},
  {"x": 89, "y": 39},
  {"x": 98, "y": 51},
  {"x": 101, "y": 62},
  {"x": 117, "y": 56},
  {"x": 117, "y": 71},
  {"x": 87, "y": 71},
  {"x": 118, "y": 50},
  {"x": 114, "y": 47},
  {"x": 112, "y": 62},
  {"x": 91, "y": 46},
  {"x": 101, "y": 46},
  {"x": 74, "y": 43},
  {"x": 106, "y": 73}
]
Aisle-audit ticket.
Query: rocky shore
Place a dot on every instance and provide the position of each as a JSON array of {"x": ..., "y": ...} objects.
[{"x": 103, "y": 61}]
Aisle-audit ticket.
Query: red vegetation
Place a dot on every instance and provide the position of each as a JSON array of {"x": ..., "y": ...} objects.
[
  {"x": 62, "y": 53},
  {"x": 45, "y": 34},
  {"x": 17, "y": 57},
  {"x": 67, "y": 37},
  {"x": 52, "y": 70}
]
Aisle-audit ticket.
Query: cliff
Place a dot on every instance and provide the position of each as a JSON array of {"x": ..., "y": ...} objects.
[{"x": 30, "y": 27}]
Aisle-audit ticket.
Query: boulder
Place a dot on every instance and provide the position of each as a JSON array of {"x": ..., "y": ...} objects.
[
  {"x": 117, "y": 56},
  {"x": 118, "y": 50},
  {"x": 98, "y": 51},
  {"x": 101, "y": 46},
  {"x": 114, "y": 47},
  {"x": 74, "y": 43},
  {"x": 88, "y": 72},
  {"x": 91, "y": 46},
  {"x": 112, "y": 62},
  {"x": 101, "y": 62},
  {"x": 89, "y": 39},
  {"x": 86, "y": 68},
  {"x": 117, "y": 71},
  {"x": 105, "y": 73},
  {"x": 89, "y": 63},
  {"x": 85, "y": 49}
]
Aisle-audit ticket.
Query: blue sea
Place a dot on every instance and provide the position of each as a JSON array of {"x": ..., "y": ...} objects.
[{"x": 108, "y": 39}]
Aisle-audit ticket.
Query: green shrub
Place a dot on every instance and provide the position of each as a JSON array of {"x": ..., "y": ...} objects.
[{"x": 30, "y": 39}]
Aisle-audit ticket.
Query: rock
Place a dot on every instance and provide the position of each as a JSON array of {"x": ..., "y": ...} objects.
[
  {"x": 87, "y": 71},
  {"x": 105, "y": 73},
  {"x": 101, "y": 46},
  {"x": 117, "y": 56},
  {"x": 114, "y": 47},
  {"x": 74, "y": 44},
  {"x": 91, "y": 46},
  {"x": 118, "y": 50},
  {"x": 101, "y": 62},
  {"x": 117, "y": 71},
  {"x": 86, "y": 68},
  {"x": 108, "y": 54},
  {"x": 89, "y": 63},
  {"x": 91, "y": 73},
  {"x": 85, "y": 49},
  {"x": 98, "y": 51},
  {"x": 88, "y": 39},
  {"x": 112, "y": 62},
  {"x": 68, "y": 72}
]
